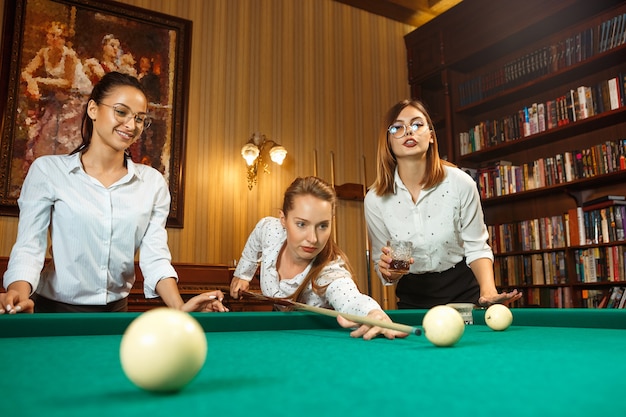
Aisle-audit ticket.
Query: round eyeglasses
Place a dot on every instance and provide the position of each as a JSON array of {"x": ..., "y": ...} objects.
[
  {"x": 399, "y": 130},
  {"x": 123, "y": 114}
]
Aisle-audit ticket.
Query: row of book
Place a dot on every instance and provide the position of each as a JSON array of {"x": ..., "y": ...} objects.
[
  {"x": 504, "y": 178},
  {"x": 533, "y": 269},
  {"x": 596, "y": 222},
  {"x": 561, "y": 297},
  {"x": 600, "y": 264},
  {"x": 609, "y": 34},
  {"x": 526, "y": 68},
  {"x": 612, "y": 33},
  {"x": 592, "y": 298},
  {"x": 587, "y": 101},
  {"x": 557, "y": 297},
  {"x": 528, "y": 235},
  {"x": 614, "y": 298},
  {"x": 570, "y": 107}
]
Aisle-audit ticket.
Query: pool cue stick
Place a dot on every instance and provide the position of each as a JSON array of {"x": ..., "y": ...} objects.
[
  {"x": 367, "y": 239},
  {"x": 315, "y": 162},
  {"x": 332, "y": 183},
  {"x": 333, "y": 313}
]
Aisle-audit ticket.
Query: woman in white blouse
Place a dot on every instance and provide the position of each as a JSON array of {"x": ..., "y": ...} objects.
[
  {"x": 421, "y": 198},
  {"x": 100, "y": 208},
  {"x": 300, "y": 261}
]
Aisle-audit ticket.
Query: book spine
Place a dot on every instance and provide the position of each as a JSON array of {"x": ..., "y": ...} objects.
[{"x": 580, "y": 216}]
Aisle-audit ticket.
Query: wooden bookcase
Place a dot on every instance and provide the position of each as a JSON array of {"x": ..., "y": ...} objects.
[{"x": 482, "y": 62}]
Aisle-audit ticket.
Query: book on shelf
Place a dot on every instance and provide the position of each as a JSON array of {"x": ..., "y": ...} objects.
[
  {"x": 590, "y": 263},
  {"x": 605, "y": 300},
  {"x": 585, "y": 109},
  {"x": 541, "y": 117},
  {"x": 550, "y": 114},
  {"x": 568, "y": 239},
  {"x": 538, "y": 271},
  {"x": 614, "y": 32},
  {"x": 622, "y": 302},
  {"x": 603, "y": 204},
  {"x": 568, "y": 301},
  {"x": 603, "y": 199},
  {"x": 620, "y": 222},
  {"x": 622, "y": 87},
  {"x": 572, "y": 227},
  {"x": 615, "y": 297},
  {"x": 580, "y": 217},
  {"x": 614, "y": 92},
  {"x": 574, "y": 105},
  {"x": 604, "y": 227}
]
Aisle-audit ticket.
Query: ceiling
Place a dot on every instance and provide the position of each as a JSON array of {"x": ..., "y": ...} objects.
[{"x": 411, "y": 12}]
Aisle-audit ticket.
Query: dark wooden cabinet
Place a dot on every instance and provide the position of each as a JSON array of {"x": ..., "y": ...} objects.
[
  {"x": 498, "y": 58},
  {"x": 195, "y": 279}
]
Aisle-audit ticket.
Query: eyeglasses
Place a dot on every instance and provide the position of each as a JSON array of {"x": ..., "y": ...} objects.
[
  {"x": 123, "y": 114},
  {"x": 398, "y": 130}
]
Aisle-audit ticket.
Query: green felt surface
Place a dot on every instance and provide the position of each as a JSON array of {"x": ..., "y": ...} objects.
[{"x": 305, "y": 365}]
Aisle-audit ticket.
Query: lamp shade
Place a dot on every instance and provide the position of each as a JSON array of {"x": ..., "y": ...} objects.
[
  {"x": 278, "y": 154},
  {"x": 250, "y": 153}
]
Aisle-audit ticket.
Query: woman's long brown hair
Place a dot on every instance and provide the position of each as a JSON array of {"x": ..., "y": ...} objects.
[
  {"x": 386, "y": 160},
  {"x": 317, "y": 188}
]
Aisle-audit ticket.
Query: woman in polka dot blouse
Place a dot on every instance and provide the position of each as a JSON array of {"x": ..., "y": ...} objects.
[{"x": 299, "y": 260}]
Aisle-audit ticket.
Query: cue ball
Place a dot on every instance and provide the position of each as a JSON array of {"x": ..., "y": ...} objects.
[
  {"x": 498, "y": 317},
  {"x": 163, "y": 349},
  {"x": 443, "y": 325}
]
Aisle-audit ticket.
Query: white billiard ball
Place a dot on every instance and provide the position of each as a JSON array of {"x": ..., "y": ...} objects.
[
  {"x": 163, "y": 349},
  {"x": 498, "y": 317},
  {"x": 443, "y": 325}
]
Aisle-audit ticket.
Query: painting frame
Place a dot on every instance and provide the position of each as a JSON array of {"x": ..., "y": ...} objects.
[{"x": 146, "y": 31}]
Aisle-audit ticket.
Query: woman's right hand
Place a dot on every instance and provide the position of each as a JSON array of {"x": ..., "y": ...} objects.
[
  {"x": 383, "y": 266},
  {"x": 13, "y": 302},
  {"x": 238, "y": 284},
  {"x": 368, "y": 332}
]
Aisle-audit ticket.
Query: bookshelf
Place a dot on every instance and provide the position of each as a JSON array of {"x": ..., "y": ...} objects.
[{"x": 537, "y": 107}]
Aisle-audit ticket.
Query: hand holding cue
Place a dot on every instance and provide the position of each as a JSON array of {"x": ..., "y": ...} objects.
[{"x": 333, "y": 313}]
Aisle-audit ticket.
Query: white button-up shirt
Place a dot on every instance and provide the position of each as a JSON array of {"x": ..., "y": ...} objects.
[
  {"x": 95, "y": 232},
  {"x": 446, "y": 224},
  {"x": 264, "y": 245}
]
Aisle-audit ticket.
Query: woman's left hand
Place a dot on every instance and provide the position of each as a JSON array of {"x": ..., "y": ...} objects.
[
  {"x": 205, "y": 302},
  {"x": 502, "y": 298},
  {"x": 369, "y": 332}
]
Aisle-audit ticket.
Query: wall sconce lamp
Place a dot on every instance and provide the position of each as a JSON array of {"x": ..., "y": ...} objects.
[{"x": 252, "y": 153}]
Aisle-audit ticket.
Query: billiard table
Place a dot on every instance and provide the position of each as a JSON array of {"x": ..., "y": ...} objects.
[{"x": 550, "y": 362}]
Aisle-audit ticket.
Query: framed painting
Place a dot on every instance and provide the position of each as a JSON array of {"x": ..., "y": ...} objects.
[{"x": 54, "y": 51}]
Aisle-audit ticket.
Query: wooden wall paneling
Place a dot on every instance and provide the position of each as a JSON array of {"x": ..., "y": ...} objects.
[{"x": 308, "y": 74}]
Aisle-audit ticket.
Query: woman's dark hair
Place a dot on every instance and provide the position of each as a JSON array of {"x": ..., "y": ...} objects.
[{"x": 101, "y": 90}]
